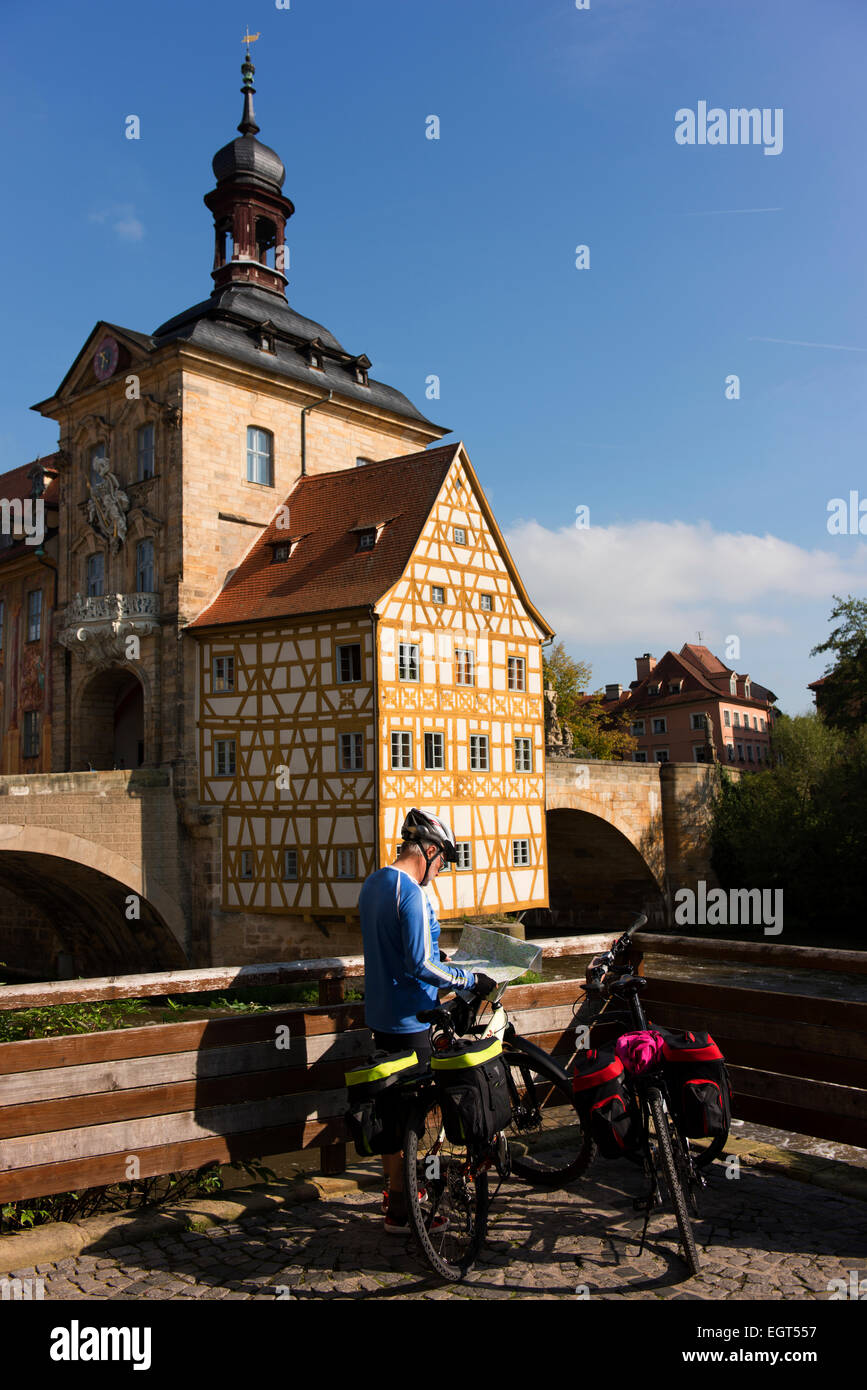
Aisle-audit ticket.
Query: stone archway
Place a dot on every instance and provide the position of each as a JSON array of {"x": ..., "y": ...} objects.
[
  {"x": 63, "y": 897},
  {"x": 110, "y": 726},
  {"x": 597, "y": 879}
]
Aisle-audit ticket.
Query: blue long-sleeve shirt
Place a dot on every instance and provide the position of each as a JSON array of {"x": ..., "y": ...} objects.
[{"x": 402, "y": 966}]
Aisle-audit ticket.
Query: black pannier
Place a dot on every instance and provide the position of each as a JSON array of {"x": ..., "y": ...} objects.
[
  {"x": 605, "y": 1102},
  {"x": 376, "y": 1112},
  {"x": 698, "y": 1083},
  {"x": 474, "y": 1091}
]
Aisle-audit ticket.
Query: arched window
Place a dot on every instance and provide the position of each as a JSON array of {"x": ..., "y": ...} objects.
[
  {"x": 224, "y": 249},
  {"x": 145, "y": 452},
  {"x": 260, "y": 456},
  {"x": 144, "y": 567},
  {"x": 266, "y": 240},
  {"x": 95, "y": 575}
]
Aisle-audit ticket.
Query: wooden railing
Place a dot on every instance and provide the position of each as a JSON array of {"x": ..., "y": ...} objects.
[{"x": 100, "y": 1108}]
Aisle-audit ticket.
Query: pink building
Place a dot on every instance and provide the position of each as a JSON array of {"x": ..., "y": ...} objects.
[{"x": 673, "y": 699}]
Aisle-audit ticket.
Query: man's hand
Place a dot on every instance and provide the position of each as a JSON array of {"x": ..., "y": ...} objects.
[{"x": 484, "y": 986}]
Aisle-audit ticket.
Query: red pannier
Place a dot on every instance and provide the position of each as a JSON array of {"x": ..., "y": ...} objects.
[
  {"x": 605, "y": 1103},
  {"x": 698, "y": 1083}
]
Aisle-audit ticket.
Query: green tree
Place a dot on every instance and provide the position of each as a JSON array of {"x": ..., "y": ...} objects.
[
  {"x": 843, "y": 700},
  {"x": 801, "y": 825},
  {"x": 595, "y": 733}
]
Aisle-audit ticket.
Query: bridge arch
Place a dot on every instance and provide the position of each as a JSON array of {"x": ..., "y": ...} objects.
[
  {"x": 78, "y": 903},
  {"x": 598, "y": 878}
]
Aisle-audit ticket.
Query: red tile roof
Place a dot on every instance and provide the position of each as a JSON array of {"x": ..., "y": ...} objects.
[
  {"x": 16, "y": 483},
  {"x": 325, "y": 570}
]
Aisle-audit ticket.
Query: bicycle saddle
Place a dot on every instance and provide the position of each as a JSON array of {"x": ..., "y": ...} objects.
[{"x": 629, "y": 982}]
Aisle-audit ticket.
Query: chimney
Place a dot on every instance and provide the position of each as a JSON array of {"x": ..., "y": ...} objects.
[
  {"x": 644, "y": 665},
  {"x": 613, "y": 692}
]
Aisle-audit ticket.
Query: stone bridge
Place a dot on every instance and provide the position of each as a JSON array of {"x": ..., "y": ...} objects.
[
  {"x": 98, "y": 872},
  {"x": 91, "y": 878},
  {"x": 623, "y": 837}
]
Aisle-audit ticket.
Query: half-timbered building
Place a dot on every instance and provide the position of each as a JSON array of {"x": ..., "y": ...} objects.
[{"x": 375, "y": 650}]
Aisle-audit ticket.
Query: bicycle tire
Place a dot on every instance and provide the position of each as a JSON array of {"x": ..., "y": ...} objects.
[
  {"x": 447, "y": 1188},
  {"x": 542, "y": 1152},
  {"x": 672, "y": 1179}
]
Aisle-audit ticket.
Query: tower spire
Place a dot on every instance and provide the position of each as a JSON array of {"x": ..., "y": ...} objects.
[{"x": 248, "y": 124}]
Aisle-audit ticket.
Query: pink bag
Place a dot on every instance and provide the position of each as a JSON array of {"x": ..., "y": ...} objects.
[{"x": 637, "y": 1051}]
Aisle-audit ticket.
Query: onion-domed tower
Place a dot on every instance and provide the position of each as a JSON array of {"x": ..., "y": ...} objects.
[{"x": 249, "y": 209}]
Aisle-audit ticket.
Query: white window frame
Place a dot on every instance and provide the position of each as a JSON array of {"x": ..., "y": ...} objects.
[
  {"x": 433, "y": 735},
  {"x": 660, "y": 755},
  {"x": 465, "y": 663},
  {"x": 636, "y": 728},
  {"x": 437, "y": 593},
  {"x": 223, "y": 681},
  {"x": 247, "y": 859},
  {"x": 486, "y": 603},
  {"x": 523, "y": 754},
  {"x": 520, "y": 854},
  {"x": 459, "y": 535},
  {"x": 351, "y": 751},
  {"x": 464, "y": 852},
  {"x": 480, "y": 753},
  {"x": 225, "y": 751},
  {"x": 347, "y": 647},
  {"x": 256, "y": 454},
  {"x": 517, "y": 668},
  {"x": 659, "y": 719},
  {"x": 404, "y": 744},
  {"x": 407, "y": 662},
  {"x": 639, "y": 756},
  {"x": 345, "y": 864},
  {"x": 287, "y": 875}
]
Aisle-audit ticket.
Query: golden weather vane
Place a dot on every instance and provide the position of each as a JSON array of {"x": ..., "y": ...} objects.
[{"x": 250, "y": 38}]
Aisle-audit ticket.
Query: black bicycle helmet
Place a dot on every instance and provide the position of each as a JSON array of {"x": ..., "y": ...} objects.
[{"x": 420, "y": 827}]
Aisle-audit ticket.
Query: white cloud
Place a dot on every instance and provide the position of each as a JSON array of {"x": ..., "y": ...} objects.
[
  {"x": 122, "y": 217},
  {"x": 656, "y": 582}
]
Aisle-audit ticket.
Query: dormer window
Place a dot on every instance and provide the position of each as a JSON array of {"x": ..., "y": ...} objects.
[
  {"x": 359, "y": 367},
  {"x": 367, "y": 538},
  {"x": 266, "y": 341},
  {"x": 282, "y": 551},
  {"x": 675, "y": 687},
  {"x": 733, "y": 685},
  {"x": 315, "y": 355},
  {"x": 654, "y": 689}
]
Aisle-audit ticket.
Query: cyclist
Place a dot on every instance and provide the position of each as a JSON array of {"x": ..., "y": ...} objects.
[{"x": 403, "y": 968}]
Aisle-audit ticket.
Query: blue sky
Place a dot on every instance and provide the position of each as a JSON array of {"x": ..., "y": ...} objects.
[{"x": 603, "y": 387}]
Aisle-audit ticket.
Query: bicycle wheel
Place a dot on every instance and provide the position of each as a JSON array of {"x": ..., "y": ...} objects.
[
  {"x": 672, "y": 1178},
  {"x": 442, "y": 1186},
  {"x": 547, "y": 1142}
]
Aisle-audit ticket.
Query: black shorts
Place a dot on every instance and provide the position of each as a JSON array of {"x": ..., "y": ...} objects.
[{"x": 403, "y": 1042}]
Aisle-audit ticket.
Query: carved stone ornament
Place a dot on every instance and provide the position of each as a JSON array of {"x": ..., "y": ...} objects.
[
  {"x": 97, "y": 629},
  {"x": 554, "y": 741},
  {"x": 107, "y": 506}
]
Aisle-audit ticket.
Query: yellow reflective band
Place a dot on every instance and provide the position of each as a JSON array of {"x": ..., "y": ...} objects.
[
  {"x": 466, "y": 1059},
  {"x": 380, "y": 1072}
]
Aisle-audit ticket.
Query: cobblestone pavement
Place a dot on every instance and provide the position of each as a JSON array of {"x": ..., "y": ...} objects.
[{"x": 762, "y": 1236}]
